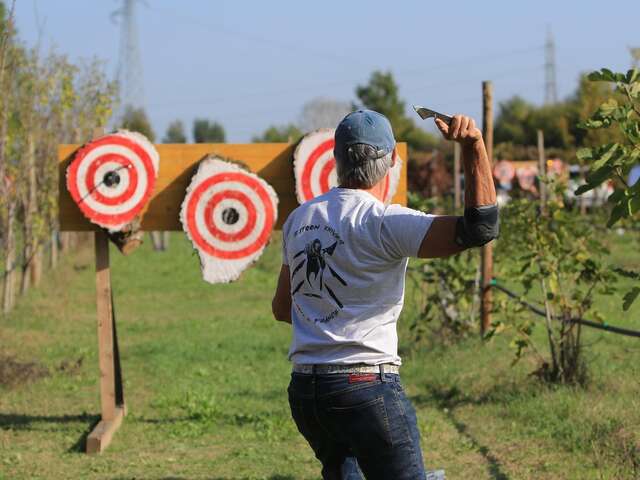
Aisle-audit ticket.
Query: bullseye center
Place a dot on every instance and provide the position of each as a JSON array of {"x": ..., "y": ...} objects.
[
  {"x": 230, "y": 216},
  {"x": 111, "y": 179}
]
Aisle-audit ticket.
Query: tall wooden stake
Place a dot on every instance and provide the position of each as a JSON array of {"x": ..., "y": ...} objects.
[
  {"x": 487, "y": 250},
  {"x": 112, "y": 407},
  {"x": 456, "y": 175},
  {"x": 542, "y": 171}
]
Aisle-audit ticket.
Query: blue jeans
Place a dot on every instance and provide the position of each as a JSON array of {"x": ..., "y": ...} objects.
[{"x": 358, "y": 424}]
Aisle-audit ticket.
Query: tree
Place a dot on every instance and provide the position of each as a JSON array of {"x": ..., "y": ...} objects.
[
  {"x": 381, "y": 95},
  {"x": 518, "y": 122},
  {"x": 175, "y": 133},
  {"x": 205, "y": 131},
  {"x": 136, "y": 120},
  {"x": 45, "y": 101},
  {"x": 512, "y": 122},
  {"x": 323, "y": 113},
  {"x": 586, "y": 100},
  {"x": 275, "y": 134}
]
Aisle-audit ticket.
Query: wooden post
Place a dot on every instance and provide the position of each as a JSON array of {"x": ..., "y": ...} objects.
[
  {"x": 456, "y": 175},
  {"x": 112, "y": 407},
  {"x": 486, "y": 255},
  {"x": 542, "y": 171}
]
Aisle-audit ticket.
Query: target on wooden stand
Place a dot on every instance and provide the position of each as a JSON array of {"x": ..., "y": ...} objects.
[
  {"x": 112, "y": 178},
  {"x": 315, "y": 167},
  {"x": 229, "y": 214}
]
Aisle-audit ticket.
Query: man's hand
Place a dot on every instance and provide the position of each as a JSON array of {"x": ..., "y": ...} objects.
[
  {"x": 479, "y": 190},
  {"x": 462, "y": 130}
]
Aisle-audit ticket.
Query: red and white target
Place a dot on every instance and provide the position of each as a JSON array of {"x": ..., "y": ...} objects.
[
  {"x": 527, "y": 178},
  {"x": 314, "y": 167},
  {"x": 504, "y": 171},
  {"x": 112, "y": 178},
  {"x": 229, "y": 214}
]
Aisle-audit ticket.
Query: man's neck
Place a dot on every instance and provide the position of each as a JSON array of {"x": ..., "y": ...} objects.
[{"x": 377, "y": 190}]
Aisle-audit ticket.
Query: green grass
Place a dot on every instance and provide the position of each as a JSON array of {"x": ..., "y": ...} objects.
[{"x": 206, "y": 372}]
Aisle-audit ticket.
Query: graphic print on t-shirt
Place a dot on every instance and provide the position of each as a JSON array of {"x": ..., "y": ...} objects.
[{"x": 309, "y": 274}]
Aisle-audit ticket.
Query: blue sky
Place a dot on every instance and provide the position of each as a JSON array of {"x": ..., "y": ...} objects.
[{"x": 251, "y": 64}]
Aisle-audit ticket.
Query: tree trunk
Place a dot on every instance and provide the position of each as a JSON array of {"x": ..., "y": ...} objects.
[
  {"x": 54, "y": 249},
  {"x": 9, "y": 257},
  {"x": 65, "y": 240},
  {"x": 26, "y": 256},
  {"x": 32, "y": 259},
  {"x": 35, "y": 266},
  {"x": 556, "y": 367}
]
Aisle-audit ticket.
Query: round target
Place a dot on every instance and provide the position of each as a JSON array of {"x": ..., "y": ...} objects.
[
  {"x": 112, "y": 178},
  {"x": 504, "y": 171},
  {"x": 315, "y": 167},
  {"x": 527, "y": 178},
  {"x": 229, "y": 214}
]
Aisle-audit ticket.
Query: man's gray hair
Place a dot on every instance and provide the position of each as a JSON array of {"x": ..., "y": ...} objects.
[{"x": 363, "y": 166}]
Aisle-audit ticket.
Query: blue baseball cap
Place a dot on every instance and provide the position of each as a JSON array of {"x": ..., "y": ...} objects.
[{"x": 364, "y": 126}]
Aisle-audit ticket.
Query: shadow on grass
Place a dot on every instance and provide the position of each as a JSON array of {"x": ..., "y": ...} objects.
[
  {"x": 447, "y": 400},
  {"x": 17, "y": 421}
]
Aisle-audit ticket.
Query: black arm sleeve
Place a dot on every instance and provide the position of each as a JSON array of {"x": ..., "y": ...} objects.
[{"x": 478, "y": 226}]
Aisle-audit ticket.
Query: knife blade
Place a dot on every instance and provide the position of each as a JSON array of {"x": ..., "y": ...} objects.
[{"x": 425, "y": 113}]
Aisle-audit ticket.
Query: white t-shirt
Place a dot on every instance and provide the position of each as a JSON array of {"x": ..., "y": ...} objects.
[{"x": 347, "y": 255}]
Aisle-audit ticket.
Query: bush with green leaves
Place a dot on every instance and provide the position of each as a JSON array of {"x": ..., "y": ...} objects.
[
  {"x": 613, "y": 161},
  {"x": 447, "y": 292},
  {"x": 557, "y": 255},
  {"x": 447, "y": 289}
]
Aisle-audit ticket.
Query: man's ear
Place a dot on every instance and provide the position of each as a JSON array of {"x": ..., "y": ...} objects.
[{"x": 393, "y": 157}]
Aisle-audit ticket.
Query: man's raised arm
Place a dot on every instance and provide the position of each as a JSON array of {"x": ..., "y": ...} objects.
[{"x": 479, "y": 225}]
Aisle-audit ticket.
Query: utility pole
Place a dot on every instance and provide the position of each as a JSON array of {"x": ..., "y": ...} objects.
[
  {"x": 129, "y": 72},
  {"x": 130, "y": 79},
  {"x": 550, "y": 86}
]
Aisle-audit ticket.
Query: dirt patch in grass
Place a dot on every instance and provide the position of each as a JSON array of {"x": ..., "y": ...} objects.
[{"x": 14, "y": 372}]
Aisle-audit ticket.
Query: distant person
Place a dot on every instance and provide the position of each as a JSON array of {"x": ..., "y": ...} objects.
[{"x": 341, "y": 285}]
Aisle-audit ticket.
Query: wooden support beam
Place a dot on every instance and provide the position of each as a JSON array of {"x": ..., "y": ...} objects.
[
  {"x": 112, "y": 406},
  {"x": 101, "y": 436}
]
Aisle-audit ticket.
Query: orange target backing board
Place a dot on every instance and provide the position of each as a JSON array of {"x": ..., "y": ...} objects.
[{"x": 273, "y": 162}]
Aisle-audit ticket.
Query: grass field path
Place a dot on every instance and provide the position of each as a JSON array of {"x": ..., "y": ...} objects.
[{"x": 206, "y": 372}]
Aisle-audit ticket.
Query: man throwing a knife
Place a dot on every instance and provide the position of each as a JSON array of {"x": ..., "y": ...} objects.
[{"x": 341, "y": 286}]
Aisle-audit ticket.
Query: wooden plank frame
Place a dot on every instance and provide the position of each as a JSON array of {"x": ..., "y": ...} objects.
[{"x": 271, "y": 161}]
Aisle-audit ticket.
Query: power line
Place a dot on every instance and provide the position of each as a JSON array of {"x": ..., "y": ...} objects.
[
  {"x": 262, "y": 41},
  {"x": 403, "y": 73}
]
